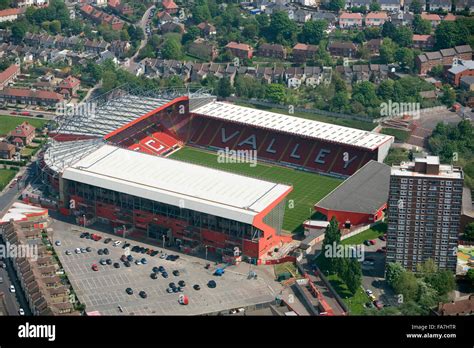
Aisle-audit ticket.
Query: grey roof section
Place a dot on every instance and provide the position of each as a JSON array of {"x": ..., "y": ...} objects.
[
  {"x": 364, "y": 192},
  {"x": 468, "y": 80}
]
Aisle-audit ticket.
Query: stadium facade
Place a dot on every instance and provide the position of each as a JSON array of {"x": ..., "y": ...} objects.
[{"x": 111, "y": 166}]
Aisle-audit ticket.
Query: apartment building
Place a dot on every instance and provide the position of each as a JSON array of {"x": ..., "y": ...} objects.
[{"x": 424, "y": 210}]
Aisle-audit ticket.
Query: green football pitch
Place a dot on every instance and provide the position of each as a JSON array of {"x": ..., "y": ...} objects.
[{"x": 308, "y": 188}]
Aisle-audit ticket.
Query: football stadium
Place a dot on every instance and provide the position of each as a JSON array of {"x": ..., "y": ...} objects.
[{"x": 147, "y": 162}]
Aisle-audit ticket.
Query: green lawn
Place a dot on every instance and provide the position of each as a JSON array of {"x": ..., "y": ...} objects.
[
  {"x": 372, "y": 233},
  {"x": 368, "y": 126},
  {"x": 400, "y": 135},
  {"x": 8, "y": 123},
  {"x": 6, "y": 175},
  {"x": 308, "y": 188}
]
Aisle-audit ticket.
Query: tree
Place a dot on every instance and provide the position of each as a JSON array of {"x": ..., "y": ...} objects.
[
  {"x": 421, "y": 26},
  {"x": 416, "y": 7},
  {"x": 405, "y": 57},
  {"x": 332, "y": 237},
  {"x": 282, "y": 29},
  {"x": 352, "y": 275},
  {"x": 407, "y": 286},
  {"x": 443, "y": 281},
  {"x": 385, "y": 91},
  {"x": 449, "y": 34},
  {"x": 387, "y": 51},
  {"x": 449, "y": 96},
  {"x": 201, "y": 13},
  {"x": 18, "y": 31},
  {"x": 403, "y": 36},
  {"x": 394, "y": 272},
  {"x": 426, "y": 268},
  {"x": 336, "y": 5},
  {"x": 191, "y": 34},
  {"x": 374, "y": 6},
  {"x": 340, "y": 102},
  {"x": 469, "y": 231},
  {"x": 224, "y": 88},
  {"x": 171, "y": 49},
  {"x": 388, "y": 29},
  {"x": 365, "y": 94},
  {"x": 470, "y": 276},
  {"x": 427, "y": 296},
  {"x": 275, "y": 92},
  {"x": 313, "y": 31}
]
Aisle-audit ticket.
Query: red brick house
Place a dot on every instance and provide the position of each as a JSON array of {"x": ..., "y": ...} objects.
[
  {"x": 272, "y": 51},
  {"x": 303, "y": 52},
  {"x": 170, "y": 6},
  {"x": 69, "y": 87},
  {"x": 23, "y": 134},
  {"x": 342, "y": 49},
  {"x": 207, "y": 29},
  {"x": 423, "y": 42},
  {"x": 457, "y": 72},
  {"x": 428, "y": 60},
  {"x": 9, "y": 75},
  {"x": 30, "y": 96},
  {"x": 6, "y": 150},
  {"x": 240, "y": 50}
]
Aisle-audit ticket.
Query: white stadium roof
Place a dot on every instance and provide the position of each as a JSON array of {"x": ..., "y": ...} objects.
[
  {"x": 294, "y": 125},
  {"x": 177, "y": 183}
]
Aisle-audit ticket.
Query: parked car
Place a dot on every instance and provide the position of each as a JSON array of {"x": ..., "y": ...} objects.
[
  {"x": 117, "y": 243},
  {"x": 107, "y": 240},
  {"x": 164, "y": 274},
  {"x": 68, "y": 252},
  {"x": 103, "y": 262},
  {"x": 154, "y": 275},
  {"x": 182, "y": 283},
  {"x": 129, "y": 291},
  {"x": 176, "y": 273},
  {"x": 126, "y": 245},
  {"x": 83, "y": 250},
  {"x": 78, "y": 251},
  {"x": 58, "y": 243},
  {"x": 161, "y": 269},
  {"x": 130, "y": 258},
  {"x": 169, "y": 290},
  {"x": 138, "y": 262},
  {"x": 100, "y": 252},
  {"x": 144, "y": 261},
  {"x": 106, "y": 251},
  {"x": 127, "y": 264},
  {"x": 366, "y": 242},
  {"x": 196, "y": 287},
  {"x": 117, "y": 265},
  {"x": 382, "y": 238},
  {"x": 211, "y": 284},
  {"x": 369, "y": 292},
  {"x": 123, "y": 258},
  {"x": 143, "y": 294},
  {"x": 372, "y": 242},
  {"x": 21, "y": 311},
  {"x": 12, "y": 288},
  {"x": 94, "y": 267}
]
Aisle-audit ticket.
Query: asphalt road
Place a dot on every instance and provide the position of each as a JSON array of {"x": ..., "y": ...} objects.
[{"x": 15, "y": 300}]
